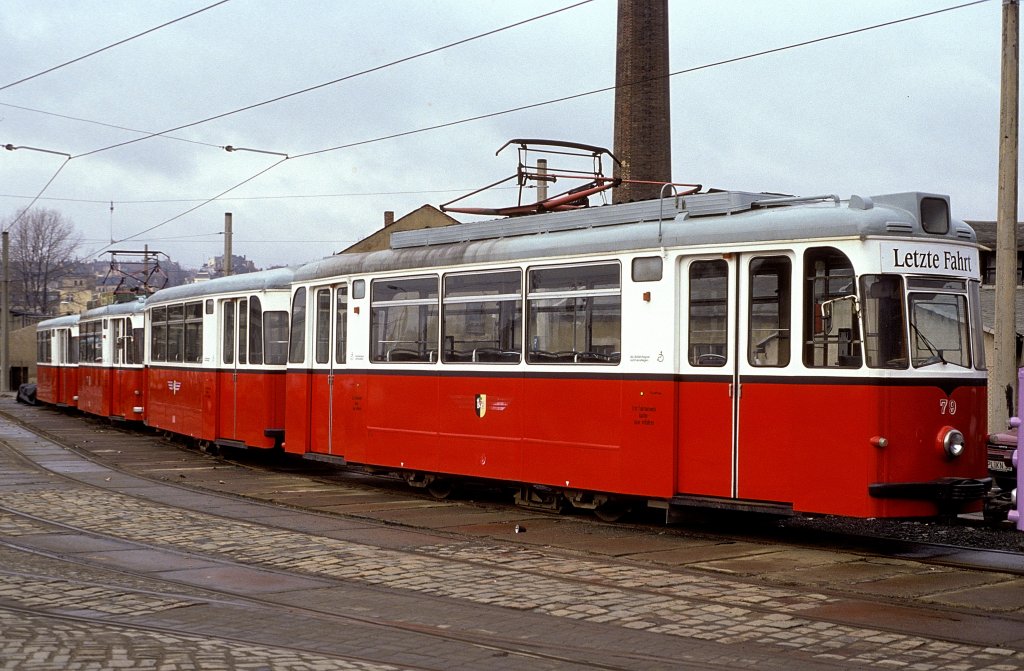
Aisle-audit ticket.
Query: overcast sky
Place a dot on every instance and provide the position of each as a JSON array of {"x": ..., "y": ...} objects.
[{"x": 908, "y": 107}]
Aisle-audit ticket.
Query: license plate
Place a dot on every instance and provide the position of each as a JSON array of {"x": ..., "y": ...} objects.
[{"x": 1000, "y": 466}]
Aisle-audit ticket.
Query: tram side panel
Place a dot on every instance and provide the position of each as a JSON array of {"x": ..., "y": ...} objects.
[
  {"x": 481, "y": 425},
  {"x": 47, "y": 383},
  {"x": 128, "y": 392},
  {"x": 298, "y": 424},
  {"x": 250, "y": 406},
  {"x": 94, "y": 389},
  {"x": 181, "y": 400},
  {"x": 402, "y": 420},
  {"x": 704, "y": 464},
  {"x": 67, "y": 386}
]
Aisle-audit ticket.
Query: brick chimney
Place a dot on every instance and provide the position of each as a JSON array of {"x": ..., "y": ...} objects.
[
  {"x": 389, "y": 218},
  {"x": 643, "y": 138}
]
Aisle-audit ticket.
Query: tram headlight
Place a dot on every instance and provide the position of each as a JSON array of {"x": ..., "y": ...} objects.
[{"x": 953, "y": 442}]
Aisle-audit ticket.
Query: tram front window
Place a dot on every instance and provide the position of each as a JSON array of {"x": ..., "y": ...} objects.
[
  {"x": 935, "y": 317},
  {"x": 885, "y": 340},
  {"x": 938, "y": 329}
]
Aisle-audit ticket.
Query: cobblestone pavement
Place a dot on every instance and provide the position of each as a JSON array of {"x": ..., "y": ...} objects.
[{"x": 95, "y": 578}]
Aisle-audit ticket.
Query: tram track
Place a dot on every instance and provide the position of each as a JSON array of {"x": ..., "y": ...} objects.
[
  {"x": 506, "y": 573},
  {"x": 536, "y": 651},
  {"x": 899, "y": 539}
]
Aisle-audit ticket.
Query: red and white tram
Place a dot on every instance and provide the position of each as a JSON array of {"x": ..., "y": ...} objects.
[
  {"x": 111, "y": 374},
  {"x": 726, "y": 349},
  {"x": 57, "y": 361},
  {"x": 216, "y": 359}
]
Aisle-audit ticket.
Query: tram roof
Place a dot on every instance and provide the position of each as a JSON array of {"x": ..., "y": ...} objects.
[
  {"x": 114, "y": 309},
  {"x": 275, "y": 278},
  {"x": 598, "y": 230},
  {"x": 57, "y": 322}
]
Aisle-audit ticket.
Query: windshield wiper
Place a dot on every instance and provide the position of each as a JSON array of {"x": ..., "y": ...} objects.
[{"x": 936, "y": 352}]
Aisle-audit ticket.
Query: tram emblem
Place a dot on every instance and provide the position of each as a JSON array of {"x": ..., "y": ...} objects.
[
  {"x": 481, "y": 405},
  {"x": 174, "y": 386}
]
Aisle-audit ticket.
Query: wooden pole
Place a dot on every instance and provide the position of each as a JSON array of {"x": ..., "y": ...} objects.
[{"x": 1003, "y": 375}]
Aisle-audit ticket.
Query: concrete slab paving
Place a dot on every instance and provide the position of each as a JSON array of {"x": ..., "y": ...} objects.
[
  {"x": 1006, "y": 596},
  {"x": 241, "y": 580},
  {"x": 781, "y": 561},
  {"x": 929, "y": 580},
  {"x": 71, "y": 542},
  {"x": 148, "y": 561}
]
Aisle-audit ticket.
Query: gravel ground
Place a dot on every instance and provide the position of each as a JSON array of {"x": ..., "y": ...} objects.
[{"x": 964, "y": 531}]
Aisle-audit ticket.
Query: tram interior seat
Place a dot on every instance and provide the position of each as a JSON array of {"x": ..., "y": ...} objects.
[
  {"x": 400, "y": 354},
  {"x": 570, "y": 356}
]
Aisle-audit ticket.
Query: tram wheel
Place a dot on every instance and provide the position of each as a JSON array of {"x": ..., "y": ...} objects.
[
  {"x": 440, "y": 488},
  {"x": 612, "y": 510}
]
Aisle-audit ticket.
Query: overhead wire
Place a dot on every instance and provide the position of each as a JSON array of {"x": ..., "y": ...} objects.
[
  {"x": 353, "y": 75},
  {"x": 111, "y": 46},
  {"x": 519, "y": 108},
  {"x": 106, "y": 125}
]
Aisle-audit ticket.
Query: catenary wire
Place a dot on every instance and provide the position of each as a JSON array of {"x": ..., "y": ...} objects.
[
  {"x": 376, "y": 68},
  {"x": 106, "y": 125},
  {"x": 546, "y": 103},
  {"x": 111, "y": 46}
]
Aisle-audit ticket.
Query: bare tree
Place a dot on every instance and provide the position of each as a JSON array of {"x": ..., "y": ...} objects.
[{"x": 43, "y": 246}]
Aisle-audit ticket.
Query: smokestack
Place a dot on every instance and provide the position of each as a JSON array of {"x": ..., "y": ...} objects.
[
  {"x": 643, "y": 135},
  {"x": 389, "y": 218}
]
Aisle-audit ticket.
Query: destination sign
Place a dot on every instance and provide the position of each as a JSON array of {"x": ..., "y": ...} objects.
[{"x": 917, "y": 258}]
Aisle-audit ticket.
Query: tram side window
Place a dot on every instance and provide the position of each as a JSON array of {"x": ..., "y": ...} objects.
[
  {"x": 574, "y": 314},
  {"x": 322, "y": 339},
  {"x": 255, "y": 330},
  {"x": 275, "y": 336},
  {"x": 831, "y": 328},
  {"x": 769, "y": 312},
  {"x": 340, "y": 324},
  {"x": 69, "y": 344},
  {"x": 138, "y": 343},
  {"x": 175, "y": 332},
  {"x": 708, "y": 313},
  {"x": 403, "y": 319},
  {"x": 193, "y": 332},
  {"x": 122, "y": 352},
  {"x": 44, "y": 347},
  {"x": 243, "y": 329},
  {"x": 158, "y": 334},
  {"x": 297, "y": 334},
  {"x": 483, "y": 317},
  {"x": 90, "y": 342},
  {"x": 228, "y": 337},
  {"x": 885, "y": 338}
]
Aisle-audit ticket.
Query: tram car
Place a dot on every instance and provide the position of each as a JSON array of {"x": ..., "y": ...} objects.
[
  {"x": 723, "y": 349},
  {"x": 57, "y": 361},
  {"x": 216, "y": 359},
  {"x": 111, "y": 372}
]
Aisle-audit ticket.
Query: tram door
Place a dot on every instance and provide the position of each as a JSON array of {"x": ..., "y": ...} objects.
[
  {"x": 329, "y": 351},
  {"x": 707, "y": 406},
  {"x": 736, "y": 332},
  {"x": 234, "y": 340},
  {"x": 122, "y": 352}
]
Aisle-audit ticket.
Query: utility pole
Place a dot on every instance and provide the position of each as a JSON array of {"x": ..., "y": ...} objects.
[
  {"x": 5, "y": 320},
  {"x": 227, "y": 244},
  {"x": 1003, "y": 376}
]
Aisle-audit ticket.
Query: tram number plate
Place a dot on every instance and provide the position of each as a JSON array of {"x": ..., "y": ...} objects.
[{"x": 1001, "y": 466}]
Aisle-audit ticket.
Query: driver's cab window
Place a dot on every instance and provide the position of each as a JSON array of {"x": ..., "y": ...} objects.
[
  {"x": 768, "y": 318},
  {"x": 831, "y": 311}
]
